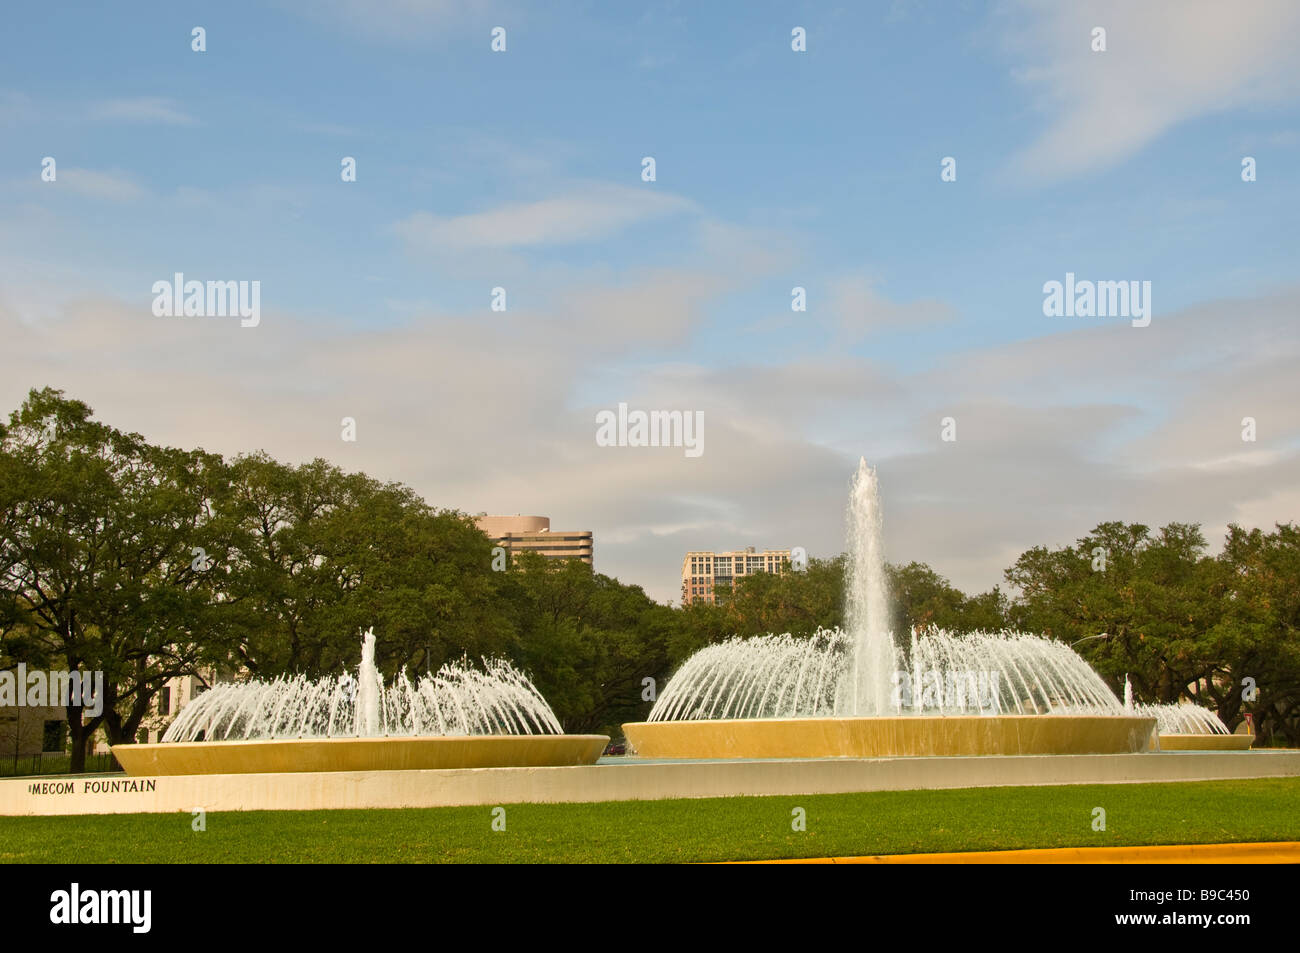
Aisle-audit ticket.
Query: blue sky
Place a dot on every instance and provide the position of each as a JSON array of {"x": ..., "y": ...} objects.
[{"x": 774, "y": 169}]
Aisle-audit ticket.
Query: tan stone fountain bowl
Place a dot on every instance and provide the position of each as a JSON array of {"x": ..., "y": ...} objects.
[
  {"x": 359, "y": 754},
  {"x": 1214, "y": 742},
  {"x": 891, "y": 737}
]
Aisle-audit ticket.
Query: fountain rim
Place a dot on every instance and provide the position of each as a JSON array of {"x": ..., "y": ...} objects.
[
  {"x": 339, "y": 739},
  {"x": 353, "y": 753},
  {"x": 1206, "y": 742},
  {"x": 893, "y": 736},
  {"x": 924, "y": 716}
]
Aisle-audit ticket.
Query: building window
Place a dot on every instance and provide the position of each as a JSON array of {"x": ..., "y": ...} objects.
[
  {"x": 165, "y": 701},
  {"x": 53, "y": 737}
]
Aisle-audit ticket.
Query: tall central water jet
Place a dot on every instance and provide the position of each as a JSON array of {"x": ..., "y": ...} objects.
[
  {"x": 860, "y": 692},
  {"x": 369, "y": 686},
  {"x": 867, "y": 616}
]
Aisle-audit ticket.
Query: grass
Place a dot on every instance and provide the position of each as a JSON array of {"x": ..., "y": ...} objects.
[{"x": 749, "y": 828}]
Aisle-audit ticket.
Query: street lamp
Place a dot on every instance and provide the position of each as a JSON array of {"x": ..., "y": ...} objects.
[{"x": 1086, "y": 638}]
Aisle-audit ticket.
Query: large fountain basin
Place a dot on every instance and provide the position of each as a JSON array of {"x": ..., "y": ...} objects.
[
  {"x": 359, "y": 754},
  {"x": 887, "y": 737}
]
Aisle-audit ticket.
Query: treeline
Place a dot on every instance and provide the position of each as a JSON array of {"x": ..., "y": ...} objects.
[{"x": 149, "y": 563}]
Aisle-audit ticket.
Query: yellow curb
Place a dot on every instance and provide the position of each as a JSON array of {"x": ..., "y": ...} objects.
[{"x": 1277, "y": 852}]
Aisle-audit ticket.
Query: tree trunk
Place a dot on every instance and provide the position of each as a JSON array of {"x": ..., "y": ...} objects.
[
  {"x": 80, "y": 732},
  {"x": 79, "y": 736}
]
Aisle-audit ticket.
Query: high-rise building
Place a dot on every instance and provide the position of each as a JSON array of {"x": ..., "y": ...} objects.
[
  {"x": 534, "y": 534},
  {"x": 701, "y": 571}
]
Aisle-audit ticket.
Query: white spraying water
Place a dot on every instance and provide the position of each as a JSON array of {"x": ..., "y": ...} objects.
[
  {"x": 369, "y": 687},
  {"x": 862, "y": 671},
  {"x": 980, "y": 673},
  {"x": 867, "y": 617},
  {"x": 455, "y": 700},
  {"x": 1180, "y": 719}
]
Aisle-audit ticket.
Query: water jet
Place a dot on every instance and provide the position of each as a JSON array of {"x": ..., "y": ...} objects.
[
  {"x": 856, "y": 692},
  {"x": 458, "y": 717}
]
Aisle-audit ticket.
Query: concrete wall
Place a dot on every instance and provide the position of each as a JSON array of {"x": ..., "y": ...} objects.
[{"x": 622, "y": 780}]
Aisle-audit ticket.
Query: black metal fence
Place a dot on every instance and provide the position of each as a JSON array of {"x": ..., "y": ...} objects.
[{"x": 28, "y": 765}]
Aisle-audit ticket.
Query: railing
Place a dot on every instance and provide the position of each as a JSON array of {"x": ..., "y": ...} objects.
[{"x": 30, "y": 765}]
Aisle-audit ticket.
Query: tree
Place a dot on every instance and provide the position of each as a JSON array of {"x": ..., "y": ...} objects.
[
  {"x": 921, "y": 598},
  {"x": 587, "y": 640},
  {"x": 323, "y": 554},
  {"x": 1134, "y": 604},
  {"x": 795, "y": 602},
  {"x": 1258, "y": 637},
  {"x": 97, "y": 528}
]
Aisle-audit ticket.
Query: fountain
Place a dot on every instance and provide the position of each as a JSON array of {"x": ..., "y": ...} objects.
[
  {"x": 867, "y": 603},
  {"x": 1186, "y": 727},
  {"x": 459, "y": 717},
  {"x": 856, "y": 693},
  {"x": 353, "y": 741}
]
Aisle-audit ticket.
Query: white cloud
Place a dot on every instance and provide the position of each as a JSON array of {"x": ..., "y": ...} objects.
[
  {"x": 142, "y": 109},
  {"x": 403, "y": 21},
  {"x": 860, "y": 309},
  {"x": 592, "y": 212},
  {"x": 1167, "y": 61},
  {"x": 101, "y": 185},
  {"x": 1054, "y": 435}
]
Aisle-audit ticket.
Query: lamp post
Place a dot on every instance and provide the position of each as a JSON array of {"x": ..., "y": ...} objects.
[{"x": 1088, "y": 638}]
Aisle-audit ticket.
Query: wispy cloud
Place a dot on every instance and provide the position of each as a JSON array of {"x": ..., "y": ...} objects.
[
  {"x": 1038, "y": 459},
  {"x": 112, "y": 186},
  {"x": 326, "y": 128},
  {"x": 580, "y": 216},
  {"x": 1166, "y": 62},
  {"x": 142, "y": 109},
  {"x": 14, "y": 105},
  {"x": 860, "y": 309},
  {"x": 399, "y": 21}
]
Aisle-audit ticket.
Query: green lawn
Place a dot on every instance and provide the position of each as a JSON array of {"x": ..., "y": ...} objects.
[{"x": 887, "y": 822}]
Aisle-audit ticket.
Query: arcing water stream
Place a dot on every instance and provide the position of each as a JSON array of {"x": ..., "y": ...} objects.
[{"x": 458, "y": 700}]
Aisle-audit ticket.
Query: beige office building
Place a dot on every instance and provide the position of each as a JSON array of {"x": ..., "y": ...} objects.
[
  {"x": 701, "y": 571},
  {"x": 534, "y": 534}
]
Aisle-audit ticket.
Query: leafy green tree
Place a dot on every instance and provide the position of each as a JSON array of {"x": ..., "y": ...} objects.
[
  {"x": 98, "y": 535},
  {"x": 1133, "y": 604},
  {"x": 588, "y": 641},
  {"x": 325, "y": 554},
  {"x": 795, "y": 602},
  {"x": 922, "y": 598},
  {"x": 1258, "y": 637}
]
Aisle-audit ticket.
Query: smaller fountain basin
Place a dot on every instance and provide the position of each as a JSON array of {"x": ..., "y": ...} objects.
[
  {"x": 272, "y": 756},
  {"x": 1207, "y": 742},
  {"x": 891, "y": 737}
]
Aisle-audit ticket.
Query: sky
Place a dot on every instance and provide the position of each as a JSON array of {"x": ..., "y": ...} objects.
[{"x": 775, "y": 169}]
